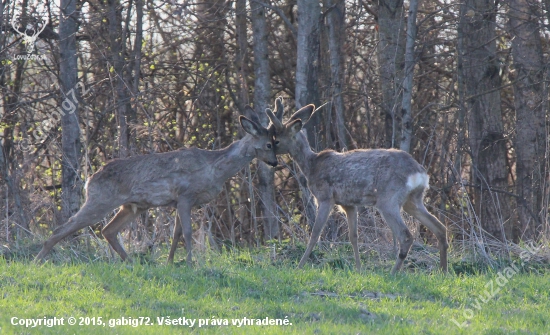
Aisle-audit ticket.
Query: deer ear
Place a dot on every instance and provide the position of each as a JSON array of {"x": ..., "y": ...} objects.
[
  {"x": 294, "y": 127},
  {"x": 250, "y": 126},
  {"x": 303, "y": 113},
  {"x": 251, "y": 114}
]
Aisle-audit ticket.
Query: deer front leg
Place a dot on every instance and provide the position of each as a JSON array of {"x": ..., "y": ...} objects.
[
  {"x": 175, "y": 239},
  {"x": 351, "y": 213},
  {"x": 323, "y": 212},
  {"x": 127, "y": 213},
  {"x": 184, "y": 212}
]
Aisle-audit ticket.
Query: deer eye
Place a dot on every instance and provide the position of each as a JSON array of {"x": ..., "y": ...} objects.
[
  {"x": 276, "y": 142},
  {"x": 269, "y": 145}
]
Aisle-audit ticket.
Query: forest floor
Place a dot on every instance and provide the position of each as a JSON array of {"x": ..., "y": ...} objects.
[{"x": 260, "y": 291}]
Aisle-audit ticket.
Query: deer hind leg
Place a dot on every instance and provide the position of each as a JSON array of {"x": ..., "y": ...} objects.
[
  {"x": 351, "y": 213},
  {"x": 323, "y": 212},
  {"x": 184, "y": 213},
  {"x": 89, "y": 214},
  {"x": 127, "y": 213},
  {"x": 415, "y": 207},
  {"x": 175, "y": 239},
  {"x": 392, "y": 216}
]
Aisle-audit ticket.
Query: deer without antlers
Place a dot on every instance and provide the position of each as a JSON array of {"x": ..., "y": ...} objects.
[
  {"x": 387, "y": 179},
  {"x": 183, "y": 179}
]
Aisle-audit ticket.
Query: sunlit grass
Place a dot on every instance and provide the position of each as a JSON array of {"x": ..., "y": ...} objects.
[{"x": 231, "y": 286}]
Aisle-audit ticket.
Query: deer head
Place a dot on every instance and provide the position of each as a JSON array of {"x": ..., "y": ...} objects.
[
  {"x": 263, "y": 146},
  {"x": 284, "y": 133}
]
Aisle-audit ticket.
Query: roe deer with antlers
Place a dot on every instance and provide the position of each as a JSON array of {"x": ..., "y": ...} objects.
[
  {"x": 387, "y": 179},
  {"x": 183, "y": 179}
]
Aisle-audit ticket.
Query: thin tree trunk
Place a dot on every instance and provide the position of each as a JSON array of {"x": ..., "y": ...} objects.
[
  {"x": 462, "y": 147},
  {"x": 307, "y": 62},
  {"x": 10, "y": 103},
  {"x": 137, "y": 51},
  {"x": 241, "y": 62},
  {"x": 406, "y": 131},
  {"x": 13, "y": 190},
  {"x": 307, "y": 87},
  {"x": 480, "y": 79},
  {"x": 336, "y": 37},
  {"x": 68, "y": 75},
  {"x": 391, "y": 62},
  {"x": 116, "y": 41},
  {"x": 530, "y": 119},
  {"x": 241, "y": 57},
  {"x": 262, "y": 94}
]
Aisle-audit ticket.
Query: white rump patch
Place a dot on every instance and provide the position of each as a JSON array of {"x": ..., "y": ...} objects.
[{"x": 418, "y": 179}]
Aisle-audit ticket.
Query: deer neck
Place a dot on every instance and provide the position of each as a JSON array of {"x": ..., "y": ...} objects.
[
  {"x": 302, "y": 154},
  {"x": 233, "y": 158}
]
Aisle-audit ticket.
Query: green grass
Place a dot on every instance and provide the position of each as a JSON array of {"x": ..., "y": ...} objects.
[{"x": 321, "y": 299}]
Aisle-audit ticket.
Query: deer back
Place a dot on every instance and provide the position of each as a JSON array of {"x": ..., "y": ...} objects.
[
  {"x": 154, "y": 179},
  {"x": 364, "y": 176}
]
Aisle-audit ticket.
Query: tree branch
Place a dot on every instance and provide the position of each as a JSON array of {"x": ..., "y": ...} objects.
[{"x": 281, "y": 14}]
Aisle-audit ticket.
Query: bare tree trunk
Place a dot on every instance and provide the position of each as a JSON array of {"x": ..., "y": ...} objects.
[
  {"x": 307, "y": 62},
  {"x": 9, "y": 104},
  {"x": 241, "y": 57},
  {"x": 336, "y": 37},
  {"x": 68, "y": 75},
  {"x": 246, "y": 215},
  {"x": 262, "y": 94},
  {"x": 307, "y": 87},
  {"x": 406, "y": 105},
  {"x": 480, "y": 81},
  {"x": 13, "y": 190},
  {"x": 116, "y": 41},
  {"x": 391, "y": 62},
  {"x": 462, "y": 147},
  {"x": 530, "y": 119},
  {"x": 137, "y": 56}
]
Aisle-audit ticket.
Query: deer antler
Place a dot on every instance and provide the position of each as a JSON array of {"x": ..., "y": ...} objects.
[
  {"x": 274, "y": 120},
  {"x": 12, "y": 21},
  {"x": 36, "y": 34}
]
